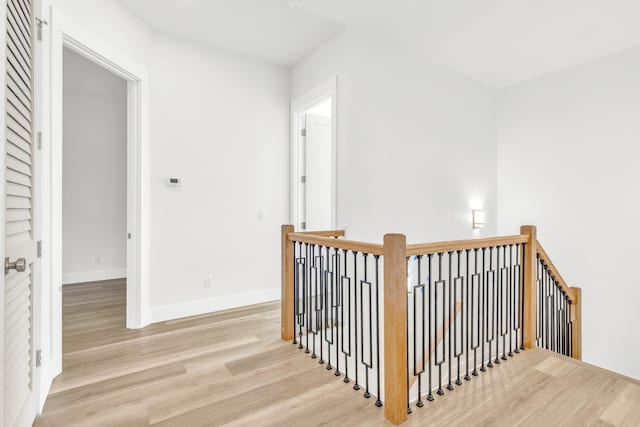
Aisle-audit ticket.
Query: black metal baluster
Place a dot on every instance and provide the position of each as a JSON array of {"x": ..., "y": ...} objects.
[
  {"x": 314, "y": 301},
  {"x": 458, "y": 346},
  {"x": 322, "y": 283},
  {"x": 430, "y": 326},
  {"x": 307, "y": 298},
  {"x": 348, "y": 293},
  {"x": 556, "y": 317},
  {"x": 296, "y": 280},
  {"x": 502, "y": 291},
  {"x": 489, "y": 312},
  {"x": 570, "y": 330},
  {"x": 511, "y": 299},
  {"x": 468, "y": 318},
  {"x": 301, "y": 273},
  {"x": 521, "y": 295},
  {"x": 379, "y": 394},
  {"x": 356, "y": 386},
  {"x": 338, "y": 308},
  {"x": 540, "y": 307},
  {"x": 569, "y": 336},
  {"x": 450, "y": 318},
  {"x": 406, "y": 268},
  {"x": 516, "y": 299},
  {"x": 439, "y": 362},
  {"x": 547, "y": 308},
  {"x": 476, "y": 290},
  {"x": 498, "y": 279},
  {"x": 553, "y": 314},
  {"x": 564, "y": 323},
  {"x": 329, "y": 302},
  {"x": 418, "y": 292},
  {"x": 483, "y": 314},
  {"x": 367, "y": 365}
]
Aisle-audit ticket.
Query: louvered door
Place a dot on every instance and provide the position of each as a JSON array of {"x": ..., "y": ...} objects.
[{"x": 19, "y": 242}]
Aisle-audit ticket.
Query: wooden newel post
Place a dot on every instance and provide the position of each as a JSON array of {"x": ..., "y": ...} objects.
[
  {"x": 395, "y": 328},
  {"x": 530, "y": 268},
  {"x": 576, "y": 322},
  {"x": 286, "y": 313}
]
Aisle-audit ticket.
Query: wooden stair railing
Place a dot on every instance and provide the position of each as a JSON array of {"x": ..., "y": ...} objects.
[
  {"x": 484, "y": 293},
  {"x": 571, "y": 294}
]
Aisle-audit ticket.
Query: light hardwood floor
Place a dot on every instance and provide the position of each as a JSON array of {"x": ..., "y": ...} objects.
[{"x": 230, "y": 368}]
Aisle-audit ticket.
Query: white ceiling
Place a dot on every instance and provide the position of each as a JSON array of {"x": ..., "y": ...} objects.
[
  {"x": 499, "y": 42},
  {"x": 265, "y": 29}
]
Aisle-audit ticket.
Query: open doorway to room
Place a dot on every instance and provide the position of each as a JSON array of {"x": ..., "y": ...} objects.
[
  {"x": 94, "y": 200},
  {"x": 313, "y": 154}
]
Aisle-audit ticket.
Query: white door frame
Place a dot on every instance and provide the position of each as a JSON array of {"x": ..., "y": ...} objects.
[
  {"x": 321, "y": 92},
  {"x": 67, "y": 33}
]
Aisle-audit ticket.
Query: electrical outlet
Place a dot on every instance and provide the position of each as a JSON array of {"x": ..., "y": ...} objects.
[
  {"x": 208, "y": 282},
  {"x": 97, "y": 259}
]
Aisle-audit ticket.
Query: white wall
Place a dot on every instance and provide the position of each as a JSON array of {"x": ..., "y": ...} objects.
[
  {"x": 94, "y": 193},
  {"x": 220, "y": 123},
  {"x": 111, "y": 21},
  {"x": 416, "y": 143},
  {"x": 569, "y": 151}
]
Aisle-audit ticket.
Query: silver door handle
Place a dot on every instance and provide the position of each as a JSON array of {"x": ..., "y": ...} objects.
[{"x": 18, "y": 265}]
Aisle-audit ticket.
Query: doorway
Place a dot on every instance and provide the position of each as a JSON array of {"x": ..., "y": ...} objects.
[
  {"x": 94, "y": 173},
  {"x": 94, "y": 199},
  {"x": 313, "y": 154}
]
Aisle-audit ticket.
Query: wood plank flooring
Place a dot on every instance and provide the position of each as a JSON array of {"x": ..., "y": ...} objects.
[{"x": 230, "y": 368}]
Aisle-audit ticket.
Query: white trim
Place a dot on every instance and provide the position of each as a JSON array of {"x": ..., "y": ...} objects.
[
  {"x": 321, "y": 92},
  {"x": 77, "y": 38},
  {"x": 65, "y": 32},
  {"x": 194, "y": 308},
  {"x": 93, "y": 276}
]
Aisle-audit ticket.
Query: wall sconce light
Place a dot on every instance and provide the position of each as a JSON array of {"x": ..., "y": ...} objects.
[{"x": 477, "y": 218}]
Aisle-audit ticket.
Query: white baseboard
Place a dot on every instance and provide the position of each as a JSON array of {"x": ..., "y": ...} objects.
[
  {"x": 93, "y": 276},
  {"x": 194, "y": 308}
]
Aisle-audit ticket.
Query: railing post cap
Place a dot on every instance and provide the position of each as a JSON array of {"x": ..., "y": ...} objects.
[
  {"x": 398, "y": 238},
  {"x": 528, "y": 229},
  {"x": 394, "y": 235}
]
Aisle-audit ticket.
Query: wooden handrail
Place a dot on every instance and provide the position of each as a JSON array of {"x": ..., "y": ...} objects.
[
  {"x": 326, "y": 238},
  {"x": 324, "y": 233},
  {"x": 554, "y": 271},
  {"x": 350, "y": 245},
  {"x": 459, "y": 245}
]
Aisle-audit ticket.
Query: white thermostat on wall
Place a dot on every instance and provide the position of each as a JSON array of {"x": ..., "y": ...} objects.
[{"x": 174, "y": 182}]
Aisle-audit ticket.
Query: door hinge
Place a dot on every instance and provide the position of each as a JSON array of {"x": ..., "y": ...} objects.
[
  {"x": 39, "y": 248},
  {"x": 38, "y": 358},
  {"x": 303, "y": 179},
  {"x": 303, "y": 132},
  {"x": 129, "y": 236},
  {"x": 39, "y": 22},
  {"x": 304, "y": 225},
  {"x": 39, "y": 138}
]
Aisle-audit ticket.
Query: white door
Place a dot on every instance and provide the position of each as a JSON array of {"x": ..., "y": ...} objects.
[
  {"x": 19, "y": 244},
  {"x": 318, "y": 206}
]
